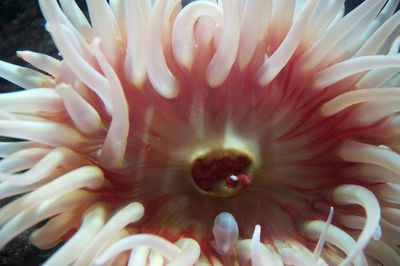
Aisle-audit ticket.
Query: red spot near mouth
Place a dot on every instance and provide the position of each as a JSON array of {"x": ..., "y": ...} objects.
[{"x": 233, "y": 180}]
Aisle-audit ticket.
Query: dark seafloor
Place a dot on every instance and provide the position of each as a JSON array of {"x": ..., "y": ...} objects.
[{"x": 22, "y": 28}]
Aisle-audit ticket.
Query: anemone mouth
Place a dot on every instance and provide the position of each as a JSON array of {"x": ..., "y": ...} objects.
[
  {"x": 222, "y": 173},
  {"x": 176, "y": 134}
]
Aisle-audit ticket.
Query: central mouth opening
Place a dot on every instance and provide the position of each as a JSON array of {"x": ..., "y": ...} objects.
[{"x": 222, "y": 173}]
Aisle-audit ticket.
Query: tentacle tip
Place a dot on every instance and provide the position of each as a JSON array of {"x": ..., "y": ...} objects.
[
  {"x": 243, "y": 62},
  {"x": 20, "y": 54},
  {"x": 186, "y": 62},
  {"x": 225, "y": 232},
  {"x": 257, "y": 230},
  {"x": 325, "y": 112},
  {"x": 319, "y": 84},
  {"x": 266, "y": 75},
  {"x": 170, "y": 93},
  {"x": 215, "y": 79}
]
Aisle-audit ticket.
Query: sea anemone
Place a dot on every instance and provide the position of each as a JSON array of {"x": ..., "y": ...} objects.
[{"x": 207, "y": 133}]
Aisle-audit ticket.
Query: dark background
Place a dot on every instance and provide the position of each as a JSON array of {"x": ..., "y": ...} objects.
[{"x": 22, "y": 28}]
